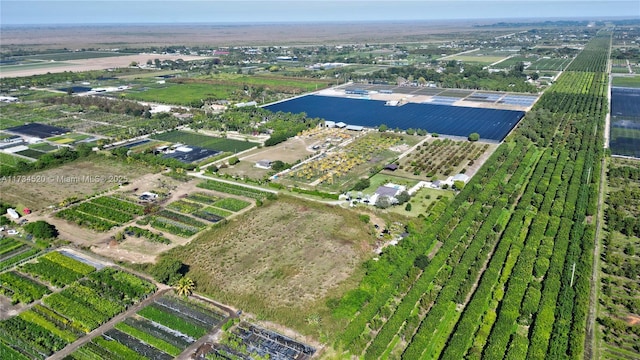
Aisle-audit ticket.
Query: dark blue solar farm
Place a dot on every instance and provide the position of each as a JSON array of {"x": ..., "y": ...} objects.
[
  {"x": 624, "y": 136},
  {"x": 444, "y": 119}
]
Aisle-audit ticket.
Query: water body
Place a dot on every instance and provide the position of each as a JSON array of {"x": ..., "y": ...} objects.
[{"x": 491, "y": 124}]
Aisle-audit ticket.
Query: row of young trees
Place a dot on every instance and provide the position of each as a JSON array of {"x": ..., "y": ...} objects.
[{"x": 517, "y": 230}]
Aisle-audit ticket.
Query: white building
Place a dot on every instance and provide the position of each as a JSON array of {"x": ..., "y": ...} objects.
[{"x": 13, "y": 213}]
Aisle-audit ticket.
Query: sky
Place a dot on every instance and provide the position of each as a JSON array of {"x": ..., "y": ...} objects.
[{"x": 22, "y": 12}]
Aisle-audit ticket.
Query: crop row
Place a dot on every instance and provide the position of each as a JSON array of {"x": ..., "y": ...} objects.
[
  {"x": 235, "y": 189},
  {"x": 183, "y": 206},
  {"x": 17, "y": 258},
  {"x": 85, "y": 220},
  {"x": 9, "y": 244},
  {"x": 171, "y": 320},
  {"x": 104, "y": 212},
  {"x": 121, "y": 205},
  {"x": 20, "y": 288},
  {"x": 202, "y": 198},
  {"x": 174, "y": 227},
  {"x": 231, "y": 204},
  {"x": 147, "y": 234},
  {"x": 181, "y": 218},
  {"x": 526, "y": 280},
  {"x": 593, "y": 58},
  {"x": 212, "y": 214},
  {"x": 57, "y": 269},
  {"x": 466, "y": 265},
  {"x": 65, "y": 316},
  {"x": 442, "y": 229}
]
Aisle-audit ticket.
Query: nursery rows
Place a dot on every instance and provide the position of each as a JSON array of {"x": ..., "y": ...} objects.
[
  {"x": 161, "y": 330},
  {"x": 67, "y": 315},
  {"x": 102, "y": 214}
]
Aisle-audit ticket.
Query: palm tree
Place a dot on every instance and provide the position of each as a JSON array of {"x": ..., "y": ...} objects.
[{"x": 185, "y": 286}]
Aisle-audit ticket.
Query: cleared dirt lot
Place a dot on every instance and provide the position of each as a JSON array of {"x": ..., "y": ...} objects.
[
  {"x": 283, "y": 258},
  {"x": 90, "y": 64},
  {"x": 50, "y": 187}
]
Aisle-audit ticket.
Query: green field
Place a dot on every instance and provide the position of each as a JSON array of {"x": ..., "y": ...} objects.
[
  {"x": 204, "y": 141},
  {"x": 550, "y": 64},
  {"x": 626, "y": 81},
  {"x": 8, "y": 159},
  {"x": 183, "y": 94},
  {"x": 43, "y": 147},
  {"x": 34, "y": 154},
  {"x": 479, "y": 59}
]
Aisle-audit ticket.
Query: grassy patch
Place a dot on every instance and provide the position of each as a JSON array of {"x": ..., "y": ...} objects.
[{"x": 627, "y": 81}]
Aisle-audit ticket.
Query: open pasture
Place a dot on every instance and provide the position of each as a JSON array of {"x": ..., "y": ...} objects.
[
  {"x": 180, "y": 94},
  {"x": 443, "y": 119}
]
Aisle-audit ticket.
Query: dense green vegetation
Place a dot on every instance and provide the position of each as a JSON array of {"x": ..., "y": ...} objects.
[
  {"x": 460, "y": 76},
  {"x": 509, "y": 243},
  {"x": 619, "y": 332}
]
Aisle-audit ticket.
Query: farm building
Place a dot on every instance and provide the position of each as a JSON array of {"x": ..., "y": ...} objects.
[
  {"x": 8, "y": 99},
  {"x": 13, "y": 213},
  {"x": 148, "y": 196},
  {"x": 264, "y": 164},
  {"x": 330, "y": 124},
  {"x": 354, "y": 127},
  {"x": 341, "y": 125},
  {"x": 245, "y": 104},
  {"x": 461, "y": 177},
  {"x": 391, "y": 167}
]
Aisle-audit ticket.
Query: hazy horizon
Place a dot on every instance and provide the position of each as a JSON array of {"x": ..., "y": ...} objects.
[{"x": 146, "y": 12}]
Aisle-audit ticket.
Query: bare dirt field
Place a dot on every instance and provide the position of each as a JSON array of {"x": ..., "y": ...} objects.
[
  {"x": 284, "y": 257},
  {"x": 91, "y": 64},
  {"x": 40, "y": 190},
  {"x": 289, "y": 151}
]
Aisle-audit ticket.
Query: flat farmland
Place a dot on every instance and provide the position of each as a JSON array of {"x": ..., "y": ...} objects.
[
  {"x": 273, "y": 82},
  {"x": 289, "y": 151},
  {"x": 244, "y": 262},
  {"x": 182, "y": 94},
  {"x": 89, "y": 64},
  {"x": 51, "y": 187},
  {"x": 626, "y": 81}
]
